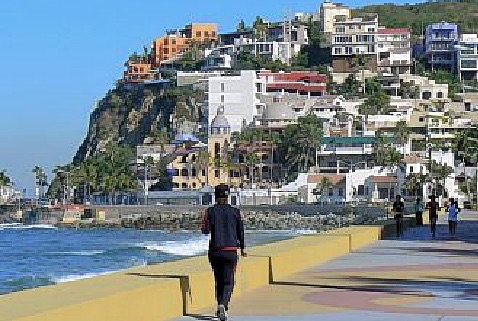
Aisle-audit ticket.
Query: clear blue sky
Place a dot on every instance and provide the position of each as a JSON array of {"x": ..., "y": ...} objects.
[{"x": 59, "y": 56}]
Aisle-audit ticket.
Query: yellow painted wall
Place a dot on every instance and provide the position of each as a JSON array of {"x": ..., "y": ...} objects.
[{"x": 157, "y": 292}]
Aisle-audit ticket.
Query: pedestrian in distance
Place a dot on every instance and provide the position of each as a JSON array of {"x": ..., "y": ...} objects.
[
  {"x": 399, "y": 209},
  {"x": 432, "y": 207},
  {"x": 453, "y": 211},
  {"x": 225, "y": 225},
  {"x": 419, "y": 212}
]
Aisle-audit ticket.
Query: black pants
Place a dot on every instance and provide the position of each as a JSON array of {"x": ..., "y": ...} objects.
[
  {"x": 419, "y": 218},
  {"x": 452, "y": 227},
  {"x": 399, "y": 222},
  {"x": 433, "y": 225},
  {"x": 223, "y": 264}
]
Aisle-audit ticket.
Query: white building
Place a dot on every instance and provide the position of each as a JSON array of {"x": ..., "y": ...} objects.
[
  {"x": 468, "y": 57},
  {"x": 220, "y": 58},
  {"x": 238, "y": 96},
  {"x": 331, "y": 12},
  {"x": 7, "y": 194},
  {"x": 394, "y": 55},
  {"x": 354, "y": 37}
]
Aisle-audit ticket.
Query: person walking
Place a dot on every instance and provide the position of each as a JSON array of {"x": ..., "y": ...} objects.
[
  {"x": 225, "y": 225},
  {"x": 419, "y": 212},
  {"x": 452, "y": 216},
  {"x": 433, "y": 214},
  {"x": 399, "y": 209}
]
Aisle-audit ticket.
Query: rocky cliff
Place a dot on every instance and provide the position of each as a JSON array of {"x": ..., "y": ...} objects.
[{"x": 139, "y": 114}]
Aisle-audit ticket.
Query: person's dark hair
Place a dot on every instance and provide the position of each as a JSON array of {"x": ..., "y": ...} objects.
[
  {"x": 398, "y": 197},
  {"x": 418, "y": 199},
  {"x": 221, "y": 193}
]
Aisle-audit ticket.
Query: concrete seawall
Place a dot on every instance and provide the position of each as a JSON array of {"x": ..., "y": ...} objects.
[{"x": 167, "y": 290}]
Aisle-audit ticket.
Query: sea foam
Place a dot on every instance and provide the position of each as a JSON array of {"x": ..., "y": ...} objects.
[{"x": 188, "y": 247}]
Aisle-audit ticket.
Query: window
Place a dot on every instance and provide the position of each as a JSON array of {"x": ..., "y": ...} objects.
[
  {"x": 184, "y": 159},
  {"x": 217, "y": 150},
  {"x": 203, "y": 172},
  {"x": 184, "y": 185},
  {"x": 173, "y": 41},
  {"x": 439, "y": 95},
  {"x": 361, "y": 190},
  {"x": 198, "y": 34},
  {"x": 468, "y": 64},
  {"x": 258, "y": 88},
  {"x": 341, "y": 192},
  {"x": 206, "y": 34},
  {"x": 213, "y": 33},
  {"x": 222, "y": 98},
  {"x": 331, "y": 192},
  {"x": 184, "y": 172},
  {"x": 217, "y": 173},
  {"x": 193, "y": 172},
  {"x": 421, "y": 119},
  {"x": 411, "y": 169},
  {"x": 338, "y": 51},
  {"x": 371, "y": 48},
  {"x": 222, "y": 87},
  {"x": 340, "y": 29},
  {"x": 194, "y": 185}
]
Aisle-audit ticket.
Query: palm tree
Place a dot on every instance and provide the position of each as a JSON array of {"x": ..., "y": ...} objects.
[
  {"x": 358, "y": 63},
  {"x": 393, "y": 159},
  {"x": 203, "y": 159},
  {"x": 402, "y": 134},
  {"x": 302, "y": 141},
  {"x": 251, "y": 161},
  {"x": 324, "y": 185},
  {"x": 162, "y": 138},
  {"x": 4, "y": 179}
]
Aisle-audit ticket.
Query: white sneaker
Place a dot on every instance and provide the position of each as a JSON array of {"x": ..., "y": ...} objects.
[{"x": 221, "y": 312}]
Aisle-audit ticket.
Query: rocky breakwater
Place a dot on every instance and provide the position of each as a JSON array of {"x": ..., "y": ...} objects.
[{"x": 255, "y": 218}]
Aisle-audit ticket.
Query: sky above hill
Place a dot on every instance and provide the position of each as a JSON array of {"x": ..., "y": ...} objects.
[{"x": 59, "y": 57}]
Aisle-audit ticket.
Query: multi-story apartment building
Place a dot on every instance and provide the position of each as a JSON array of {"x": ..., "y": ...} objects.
[
  {"x": 238, "y": 95},
  {"x": 353, "y": 38},
  {"x": 330, "y": 13},
  {"x": 301, "y": 83},
  {"x": 441, "y": 40},
  {"x": 394, "y": 54},
  {"x": 139, "y": 69},
  {"x": 343, "y": 154},
  {"x": 279, "y": 41},
  {"x": 468, "y": 57},
  {"x": 178, "y": 42}
]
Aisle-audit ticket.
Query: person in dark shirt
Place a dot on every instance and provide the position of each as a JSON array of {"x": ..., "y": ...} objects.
[
  {"x": 433, "y": 214},
  {"x": 399, "y": 209},
  {"x": 225, "y": 225}
]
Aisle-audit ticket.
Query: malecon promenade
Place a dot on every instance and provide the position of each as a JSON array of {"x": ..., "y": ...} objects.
[{"x": 352, "y": 273}]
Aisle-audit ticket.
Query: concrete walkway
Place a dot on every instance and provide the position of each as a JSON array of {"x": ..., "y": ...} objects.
[{"x": 411, "y": 278}]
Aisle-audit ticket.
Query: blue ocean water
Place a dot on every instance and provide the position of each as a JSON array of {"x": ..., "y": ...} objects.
[{"x": 38, "y": 255}]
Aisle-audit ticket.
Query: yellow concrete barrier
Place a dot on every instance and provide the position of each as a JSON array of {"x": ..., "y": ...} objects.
[
  {"x": 118, "y": 297},
  {"x": 171, "y": 289}
]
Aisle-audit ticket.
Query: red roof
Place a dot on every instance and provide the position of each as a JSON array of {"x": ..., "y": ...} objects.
[
  {"x": 392, "y": 31},
  {"x": 384, "y": 179},
  {"x": 299, "y": 87}
]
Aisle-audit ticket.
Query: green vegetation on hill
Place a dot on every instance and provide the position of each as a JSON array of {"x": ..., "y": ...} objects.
[{"x": 418, "y": 16}]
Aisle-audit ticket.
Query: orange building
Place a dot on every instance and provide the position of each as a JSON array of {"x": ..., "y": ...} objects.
[
  {"x": 139, "y": 68},
  {"x": 178, "y": 42}
]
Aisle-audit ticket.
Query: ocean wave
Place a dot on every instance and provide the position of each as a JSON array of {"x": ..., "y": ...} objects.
[
  {"x": 81, "y": 253},
  {"x": 19, "y": 226},
  {"x": 77, "y": 277},
  {"x": 189, "y": 247}
]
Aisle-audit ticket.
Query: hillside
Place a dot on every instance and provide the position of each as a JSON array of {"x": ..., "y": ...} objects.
[
  {"x": 136, "y": 116},
  {"x": 418, "y": 16}
]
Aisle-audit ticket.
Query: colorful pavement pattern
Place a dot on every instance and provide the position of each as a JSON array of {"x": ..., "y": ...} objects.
[{"x": 411, "y": 278}]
